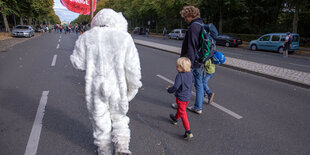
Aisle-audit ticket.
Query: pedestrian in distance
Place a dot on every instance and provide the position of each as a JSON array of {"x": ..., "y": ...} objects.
[
  {"x": 113, "y": 76},
  {"x": 164, "y": 33},
  {"x": 191, "y": 44},
  {"x": 287, "y": 44},
  {"x": 182, "y": 90},
  {"x": 147, "y": 32}
]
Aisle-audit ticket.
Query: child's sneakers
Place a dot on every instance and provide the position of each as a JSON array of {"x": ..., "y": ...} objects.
[
  {"x": 188, "y": 135},
  {"x": 173, "y": 120},
  {"x": 174, "y": 106}
]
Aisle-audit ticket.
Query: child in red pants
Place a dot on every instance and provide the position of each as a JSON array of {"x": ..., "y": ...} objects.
[{"x": 182, "y": 90}]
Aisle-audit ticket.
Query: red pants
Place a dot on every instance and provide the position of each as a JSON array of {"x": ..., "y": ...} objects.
[{"x": 181, "y": 113}]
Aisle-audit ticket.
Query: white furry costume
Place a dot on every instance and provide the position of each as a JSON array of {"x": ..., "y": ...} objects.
[{"x": 109, "y": 56}]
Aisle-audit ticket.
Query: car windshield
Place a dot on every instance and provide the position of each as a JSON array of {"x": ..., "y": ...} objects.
[
  {"x": 22, "y": 27},
  {"x": 295, "y": 38}
]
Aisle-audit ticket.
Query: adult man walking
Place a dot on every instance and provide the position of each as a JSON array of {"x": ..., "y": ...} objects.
[
  {"x": 286, "y": 44},
  {"x": 190, "y": 46}
]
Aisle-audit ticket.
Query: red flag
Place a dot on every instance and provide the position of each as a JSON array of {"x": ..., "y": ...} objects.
[{"x": 79, "y": 6}]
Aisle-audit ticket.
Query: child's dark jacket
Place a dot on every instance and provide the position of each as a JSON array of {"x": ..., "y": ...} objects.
[{"x": 182, "y": 86}]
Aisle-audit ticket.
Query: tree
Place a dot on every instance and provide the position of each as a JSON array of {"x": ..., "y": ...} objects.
[{"x": 7, "y": 8}]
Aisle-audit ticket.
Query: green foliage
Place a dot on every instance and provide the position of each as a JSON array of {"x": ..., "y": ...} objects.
[
  {"x": 7, "y": 7},
  {"x": 40, "y": 11},
  {"x": 236, "y": 16}
]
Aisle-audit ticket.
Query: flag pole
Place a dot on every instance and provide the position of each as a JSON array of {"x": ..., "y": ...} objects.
[{"x": 91, "y": 9}]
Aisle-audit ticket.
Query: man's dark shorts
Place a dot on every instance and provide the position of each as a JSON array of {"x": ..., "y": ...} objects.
[{"x": 286, "y": 46}]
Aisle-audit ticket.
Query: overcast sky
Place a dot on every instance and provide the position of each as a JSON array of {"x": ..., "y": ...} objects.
[{"x": 63, "y": 13}]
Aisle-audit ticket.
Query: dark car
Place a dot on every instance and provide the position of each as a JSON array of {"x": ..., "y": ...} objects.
[
  {"x": 139, "y": 31},
  {"x": 38, "y": 29},
  {"x": 228, "y": 40}
]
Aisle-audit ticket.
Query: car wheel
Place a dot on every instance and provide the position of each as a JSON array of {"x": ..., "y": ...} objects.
[
  {"x": 227, "y": 44},
  {"x": 253, "y": 47},
  {"x": 280, "y": 50}
]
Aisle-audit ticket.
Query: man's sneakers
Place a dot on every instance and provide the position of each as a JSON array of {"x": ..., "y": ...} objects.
[
  {"x": 188, "y": 135},
  {"x": 173, "y": 120},
  {"x": 211, "y": 98},
  {"x": 174, "y": 106},
  {"x": 192, "y": 109}
]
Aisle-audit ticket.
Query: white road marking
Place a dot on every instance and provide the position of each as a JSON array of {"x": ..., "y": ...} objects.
[
  {"x": 231, "y": 113},
  {"x": 60, "y": 36},
  {"x": 33, "y": 141},
  {"x": 57, "y": 46},
  {"x": 299, "y": 65},
  {"x": 54, "y": 60},
  {"x": 59, "y": 40}
]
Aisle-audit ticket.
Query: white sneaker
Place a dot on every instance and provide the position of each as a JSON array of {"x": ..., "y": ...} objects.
[
  {"x": 174, "y": 106},
  {"x": 192, "y": 109}
]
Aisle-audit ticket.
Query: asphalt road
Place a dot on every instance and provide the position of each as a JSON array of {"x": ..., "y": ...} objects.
[
  {"x": 274, "y": 114},
  {"x": 294, "y": 61}
]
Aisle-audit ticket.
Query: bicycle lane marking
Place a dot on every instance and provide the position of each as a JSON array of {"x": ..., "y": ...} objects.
[
  {"x": 229, "y": 112},
  {"x": 33, "y": 141}
]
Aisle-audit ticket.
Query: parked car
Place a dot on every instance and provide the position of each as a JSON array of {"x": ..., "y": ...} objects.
[
  {"x": 274, "y": 42},
  {"x": 228, "y": 40},
  {"x": 139, "y": 30},
  {"x": 23, "y": 31},
  {"x": 38, "y": 29},
  {"x": 177, "y": 34}
]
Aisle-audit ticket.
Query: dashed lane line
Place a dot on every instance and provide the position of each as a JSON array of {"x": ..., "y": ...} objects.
[
  {"x": 54, "y": 60},
  {"x": 33, "y": 141},
  {"x": 57, "y": 46},
  {"x": 231, "y": 113}
]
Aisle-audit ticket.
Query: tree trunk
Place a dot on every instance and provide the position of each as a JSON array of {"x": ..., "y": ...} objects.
[
  {"x": 7, "y": 28},
  {"x": 21, "y": 21},
  {"x": 182, "y": 24},
  {"x": 296, "y": 17},
  {"x": 29, "y": 20},
  {"x": 156, "y": 26},
  {"x": 221, "y": 20}
]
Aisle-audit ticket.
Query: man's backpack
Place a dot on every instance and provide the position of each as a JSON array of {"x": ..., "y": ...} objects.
[
  {"x": 208, "y": 35},
  {"x": 218, "y": 58}
]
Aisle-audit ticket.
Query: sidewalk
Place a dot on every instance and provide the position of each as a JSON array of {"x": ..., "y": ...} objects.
[
  {"x": 283, "y": 74},
  {"x": 7, "y": 41}
]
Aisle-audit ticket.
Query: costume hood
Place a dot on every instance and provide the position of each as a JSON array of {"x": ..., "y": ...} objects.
[{"x": 110, "y": 18}]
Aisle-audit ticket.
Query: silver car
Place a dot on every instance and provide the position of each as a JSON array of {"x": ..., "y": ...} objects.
[
  {"x": 177, "y": 34},
  {"x": 23, "y": 31}
]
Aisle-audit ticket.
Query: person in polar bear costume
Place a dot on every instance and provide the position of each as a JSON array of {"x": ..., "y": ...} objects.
[{"x": 113, "y": 76}]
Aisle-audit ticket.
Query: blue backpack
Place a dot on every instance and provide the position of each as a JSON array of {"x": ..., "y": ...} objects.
[
  {"x": 208, "y": 35},
  {"x": 218, "y": 58}
]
